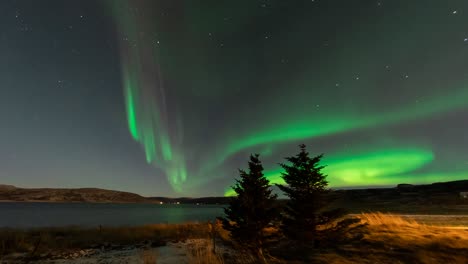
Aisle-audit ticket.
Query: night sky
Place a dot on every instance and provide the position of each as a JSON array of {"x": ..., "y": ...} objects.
[{"x": 165, "y": 97}]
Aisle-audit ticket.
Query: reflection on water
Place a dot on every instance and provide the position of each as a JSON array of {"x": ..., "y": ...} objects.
[{"x": 84, "y": 214}]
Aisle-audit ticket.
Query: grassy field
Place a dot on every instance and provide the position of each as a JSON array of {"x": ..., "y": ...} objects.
[
  {"x": 377, "y": 238},
  {"x": 386, "y": 238}
]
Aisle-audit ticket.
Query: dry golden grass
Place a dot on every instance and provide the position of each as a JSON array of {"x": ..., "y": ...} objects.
[
  {"x": 389, "y": 220},
  {"x": 394, "y": 229},
  {"x": 202, "y": 253},
  {"x": 387, "y": 238}
]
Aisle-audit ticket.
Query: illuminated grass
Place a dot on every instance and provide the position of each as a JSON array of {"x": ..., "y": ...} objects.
[{"x": 390, "y": 238}]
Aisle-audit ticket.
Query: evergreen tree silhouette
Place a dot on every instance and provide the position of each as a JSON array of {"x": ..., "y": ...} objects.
[
  {"x": 252, "y": 209},
  {"x": 306, "y": 187}
]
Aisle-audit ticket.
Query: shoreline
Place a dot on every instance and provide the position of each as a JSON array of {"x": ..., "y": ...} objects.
[{"x": 106, "y": 202}]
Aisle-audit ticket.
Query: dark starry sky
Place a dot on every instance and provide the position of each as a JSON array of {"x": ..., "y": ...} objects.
[{"x": 170, "y": 97}]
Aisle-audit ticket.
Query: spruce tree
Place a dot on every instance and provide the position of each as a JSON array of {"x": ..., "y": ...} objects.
[
  {"x": 252, "y": 209},
  {"x": 306, "y": 187}
]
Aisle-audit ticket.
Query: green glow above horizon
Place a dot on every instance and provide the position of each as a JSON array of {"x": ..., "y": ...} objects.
[
  {"x": 361, "y": 169},
  {"x": 370, "y": 168},
  {"x": 319, "y": 125}
]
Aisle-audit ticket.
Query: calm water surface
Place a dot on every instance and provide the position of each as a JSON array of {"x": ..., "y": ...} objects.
[{"x": 83, "y": 214}]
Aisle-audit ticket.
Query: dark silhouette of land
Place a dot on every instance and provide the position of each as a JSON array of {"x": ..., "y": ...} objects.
[
  {"x": 436, "y": 198},
  {"x": 91, "y": 195}
]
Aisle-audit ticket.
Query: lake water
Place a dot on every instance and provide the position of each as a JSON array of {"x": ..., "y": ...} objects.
[{"x": 84, "y": 214}]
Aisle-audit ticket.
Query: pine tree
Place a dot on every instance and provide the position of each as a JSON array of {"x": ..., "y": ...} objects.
[
  {"x": 252, "y": 209},
  {"x": 306, "y": 187}
]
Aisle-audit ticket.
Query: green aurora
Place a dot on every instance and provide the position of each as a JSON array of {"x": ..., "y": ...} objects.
[
  {"x": 148, "y": 120},
  {"x": 156, "y": 124},
  {"x": 306, "y": 127}
]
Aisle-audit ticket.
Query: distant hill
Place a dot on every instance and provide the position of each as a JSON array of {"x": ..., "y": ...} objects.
[
  {"x": 10, "y": 193},
  {"x": 4, "y": 187},
  {"x": 91, "y": 195}
]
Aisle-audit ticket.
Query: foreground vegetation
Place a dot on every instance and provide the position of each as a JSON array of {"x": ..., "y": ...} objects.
[
  {"x": 42, "y": 241},
  {"x": 386, "y": 238},
  {"x": 377, "y": 238}
]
